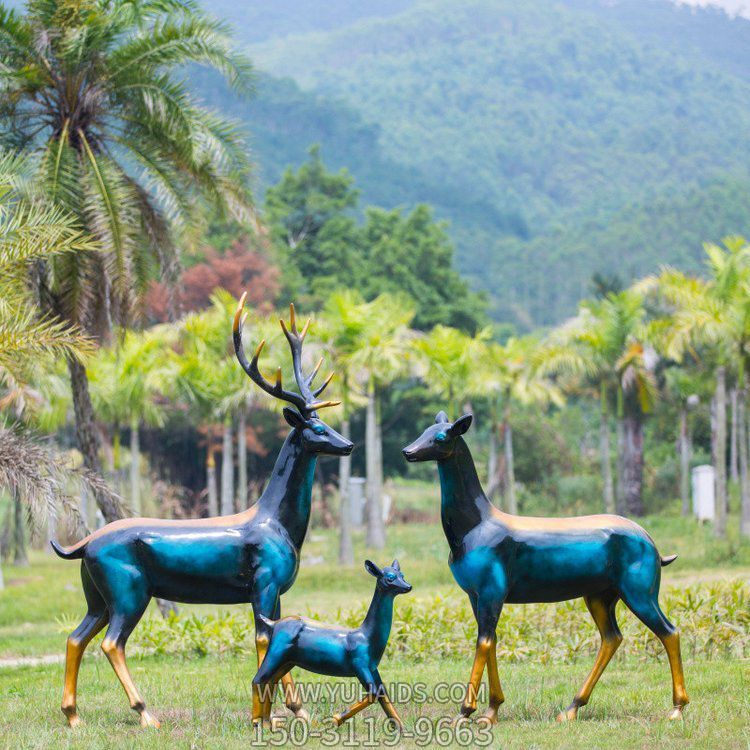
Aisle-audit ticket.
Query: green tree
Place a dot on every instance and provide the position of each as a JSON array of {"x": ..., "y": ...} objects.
[
  {"x": 127, "y": 380},
  {"x": 31, "y": 231},
  {"x": 310, "y": 213},
  {"x": 92, "y": 88},
  {"x": 714, "y": 314},
  {"x": 412, "y": 254},
  {"x": 373, "y": 344},
  {"x": 603, "y": 346},
  {"x": 508, "y": 374}
]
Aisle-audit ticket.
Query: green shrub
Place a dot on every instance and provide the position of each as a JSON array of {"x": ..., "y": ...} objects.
[{"x": 714, "y": 619}]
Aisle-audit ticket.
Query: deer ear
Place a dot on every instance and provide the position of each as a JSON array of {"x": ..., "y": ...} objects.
[
  {"x": 460, "y": 426},
  {"x": 294, "y": 418},
  {"x": 396, "y": 566},
  {"x": 373, "y": 569},
  {"x": 441, "y": 418}
]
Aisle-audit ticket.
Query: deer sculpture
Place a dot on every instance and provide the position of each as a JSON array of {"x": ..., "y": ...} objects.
[
  {"x": 339, "y": 652},
  {"x": 498, "y": 558},
  {"x": 252, "y": 556}
]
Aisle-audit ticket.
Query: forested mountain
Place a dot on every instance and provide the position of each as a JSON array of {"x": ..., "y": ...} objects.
[{"x": 559, "y": 138}]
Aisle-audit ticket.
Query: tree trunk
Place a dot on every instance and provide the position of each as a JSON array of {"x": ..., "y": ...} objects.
[
  {"x": 720, "y": 453},
  {"x": 227, "y": 470},
  {"x": 620, "y": 486},
  {"x": 20, "y": 556},
  {"x": 86, "y": 434},
  {"x": 511, "y": 503},
  {"x": 213, "y": 500},
  {"x": 346, "y": 549},
  {"x": 135, "y": 467},
  {"x": 375, "y": 528},
  {"x": 604, "y": 454},
  {"x": 492, "y": 468},
  {"x": 632, "y": 464},
  {"x": 683, "y": 450},
  {"x": 242, "y": 499},
  {"x": 743, "y": 460},
  {"x": 2, "y": 580},
  {"x": 734, "y": 472}
]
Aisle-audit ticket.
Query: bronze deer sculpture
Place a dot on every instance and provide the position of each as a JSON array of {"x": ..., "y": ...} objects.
[
  {"x": 499, "y": 558},
  {"x": 252, "y": 556}
]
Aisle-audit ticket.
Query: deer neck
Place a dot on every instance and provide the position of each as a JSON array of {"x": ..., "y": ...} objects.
[
  {"x": 463, "y": 502},
  {"x": 377, "y": 623},
  {"x": 287, "y": 496}
]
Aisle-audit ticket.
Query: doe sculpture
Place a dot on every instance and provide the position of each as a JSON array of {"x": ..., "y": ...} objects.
[
  {"x": 497, "y": 557},
  {"x": 339, "y": 652},
  {"x": 251, "y": 556}
]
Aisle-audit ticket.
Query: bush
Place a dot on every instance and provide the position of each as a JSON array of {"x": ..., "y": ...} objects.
[{"x": 714, "y": 620}]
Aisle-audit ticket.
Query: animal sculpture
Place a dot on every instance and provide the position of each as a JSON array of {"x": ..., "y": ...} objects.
[
  {"x": 498, "y": 558},
  {"x": 251, "y": 556},
  {"x": 340, "y": 652}
]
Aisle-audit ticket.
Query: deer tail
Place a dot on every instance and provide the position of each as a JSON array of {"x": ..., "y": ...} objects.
[
  {"x": 70, "y": 553},
  {"x": 667, "y": 559}
]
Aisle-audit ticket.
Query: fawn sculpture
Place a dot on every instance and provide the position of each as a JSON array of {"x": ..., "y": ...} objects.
[
  {"x": 252, "y": 556},
  {"x": 496, "y": 558},
  {"x": 340, "y": 652}
]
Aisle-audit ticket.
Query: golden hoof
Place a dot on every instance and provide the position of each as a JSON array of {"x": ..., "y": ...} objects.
[
  {"x": 303, "y": 715},
  {"x": 460, "y": 719},
  {"x": 488, "y": 718},
  {"x": 676, "y": 713},
  {"x": 569, "y": 714},
  {"x": 337, "y": 720},
  {"x": 74, "y": 721},
  {"x": 261, "y": 723},
  {"x": 149, "y": 721}
]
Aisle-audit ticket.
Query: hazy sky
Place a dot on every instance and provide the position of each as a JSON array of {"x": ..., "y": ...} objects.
[{"x": 733, "y": 7}]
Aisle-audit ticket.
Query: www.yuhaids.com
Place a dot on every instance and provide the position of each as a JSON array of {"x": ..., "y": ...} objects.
[{"x": 400, "y": 692}]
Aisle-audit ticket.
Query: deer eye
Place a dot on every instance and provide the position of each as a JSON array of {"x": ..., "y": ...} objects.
[
  {"x": 440, "y": 437},
  {"x": 318, "y": 429},
  {"x": 390, "y": 577}
]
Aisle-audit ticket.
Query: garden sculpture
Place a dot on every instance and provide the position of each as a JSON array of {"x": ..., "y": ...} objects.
[
  {"x": 252, "y": 556},
  {"x": 496, "y": 558},
  {"x": 330, "y": 650}
]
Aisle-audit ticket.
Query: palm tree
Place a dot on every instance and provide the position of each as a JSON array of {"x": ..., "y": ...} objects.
[
  {"x": 714, "y": 315},
  {"x": 506, "y": 374},
  {"x": 127, "y": 380},
  {"x": 31, "y": 231},
  {"x": 372, "y": 343},
  {"x": 91, "y": 88},
  {"x": 602, "y": 345}
]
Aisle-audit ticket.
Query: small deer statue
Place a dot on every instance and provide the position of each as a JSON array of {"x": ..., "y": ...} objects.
[
  {"x": 496, "y": 558},
  {"x": 340, "y": 652},
  {"x": 252, "y": 556}
]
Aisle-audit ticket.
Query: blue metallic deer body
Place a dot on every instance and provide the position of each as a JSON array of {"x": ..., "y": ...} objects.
[
  {"x": 249, "y": 557},
  {"x": 340, "y": 652},
  {"x": 498, "y": 558}
]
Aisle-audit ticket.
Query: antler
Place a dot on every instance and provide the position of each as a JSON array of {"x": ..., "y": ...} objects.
[{"x": 305, "y": 401}]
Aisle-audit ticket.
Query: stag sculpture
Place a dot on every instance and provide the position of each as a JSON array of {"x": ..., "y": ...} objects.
[
  {"x": 252, "y": 556},
  {"x": 496, "y": 558},
  {"x": 336, "y": 651}
]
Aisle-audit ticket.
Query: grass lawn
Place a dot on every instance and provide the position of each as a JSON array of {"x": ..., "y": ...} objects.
[{"x": 205, "y": 702}]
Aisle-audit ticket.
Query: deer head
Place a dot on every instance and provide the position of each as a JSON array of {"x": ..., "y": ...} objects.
[
  {"x": 317, "y": 436},
  {"x": 438, "y": 441}
]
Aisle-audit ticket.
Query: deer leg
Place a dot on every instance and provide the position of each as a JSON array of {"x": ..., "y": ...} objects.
[
  {"x": 385, "y": 702},
  {"x": 497, "y": 698},
  {"x": 113, "y": 645},
  {"x": 291, "y": 694},
  {"x": 367, "y": 679},
  {"x": 646, "y": 608},
  {"x": 602, "y": 609},
  {"x": 264, "y": 603},
  {"x": 95, "y": 619},
  {"x": 487, "y": 614},
  {"x": 77, "y": 642}
]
